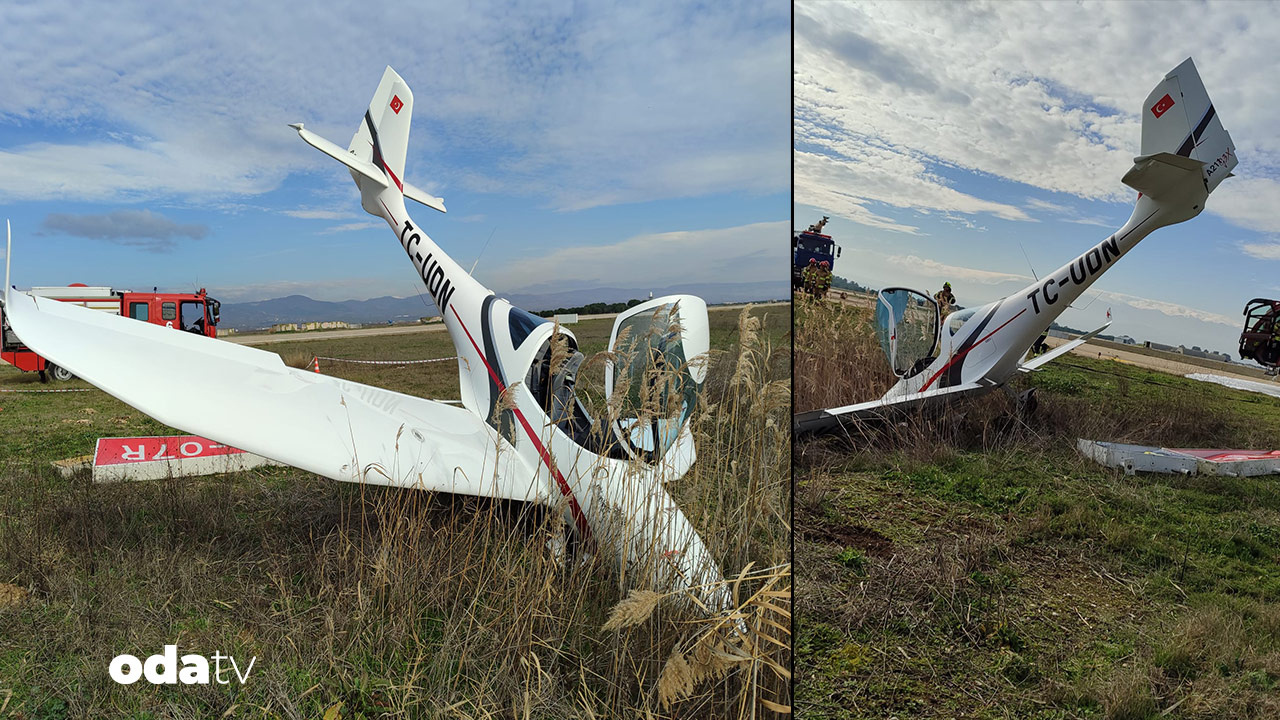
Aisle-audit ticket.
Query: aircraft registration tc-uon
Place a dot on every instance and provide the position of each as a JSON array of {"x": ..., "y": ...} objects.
[
  {"x": 1186, "y": 153},
  {"x": 521, "y": 433}
]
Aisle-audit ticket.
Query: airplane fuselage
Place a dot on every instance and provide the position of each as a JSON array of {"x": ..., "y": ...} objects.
[
  {"x": 984, "y": 345},
  {"x": 496, "y": 345}
]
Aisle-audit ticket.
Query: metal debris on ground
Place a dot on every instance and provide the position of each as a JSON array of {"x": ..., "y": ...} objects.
[{"x": 1181, "y": 461}]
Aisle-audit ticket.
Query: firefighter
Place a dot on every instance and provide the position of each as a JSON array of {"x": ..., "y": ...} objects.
[
  {"x": 810, "y": 276},
  {"x": 945, "y": 299},
  {"x": 824, "y": 279},
  {"x": 1040, "y": 347},
  {"x": 817, "y": 227}
]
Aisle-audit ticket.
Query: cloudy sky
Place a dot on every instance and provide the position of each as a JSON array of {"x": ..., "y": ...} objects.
[
  {"x": 146, "y": 144},
  {"x": 981, "y": 142}
]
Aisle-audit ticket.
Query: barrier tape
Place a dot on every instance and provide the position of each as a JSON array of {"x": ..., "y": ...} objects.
[
  {"x": 387, "y": 362},
  {"x": 5, "y": 390}
]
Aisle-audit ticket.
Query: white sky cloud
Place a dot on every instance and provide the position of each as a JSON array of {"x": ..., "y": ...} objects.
[
  {"x": 964, "y": 86},
  {"x": 750, "y": 253},
  {"x": 886, "y": 176},
  {"x": 1166, "y": 308},
  {"x": 908, "y": 113},
  {"x": 1262, "y": 250},
  {"x": 935, "y": 269},
  {"x": 348, "y": 227},
  {"x": 584, "y": 105},
  {"x": 319, "y": 214}
]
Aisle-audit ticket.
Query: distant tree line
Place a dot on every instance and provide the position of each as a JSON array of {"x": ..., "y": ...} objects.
[
  {"x": 592, "y": 309},
  {"x": 847, "y": 284}
]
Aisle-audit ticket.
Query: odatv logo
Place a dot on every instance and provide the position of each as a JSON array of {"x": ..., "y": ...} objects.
[{"x": 163, "y": 669}]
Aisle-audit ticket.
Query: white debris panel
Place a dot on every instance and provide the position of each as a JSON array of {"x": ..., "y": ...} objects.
[
  {"x": 1271, "y": 389},
  {"x": 1181, "y": 461}
]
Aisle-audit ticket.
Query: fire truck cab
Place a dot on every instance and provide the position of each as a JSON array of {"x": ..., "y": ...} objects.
[{"x": 189, "y": 312}]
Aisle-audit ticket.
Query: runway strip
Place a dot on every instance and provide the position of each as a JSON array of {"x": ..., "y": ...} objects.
[
  {"x": 405, "y": 329},
  {"x": 1163, "y": 364}
]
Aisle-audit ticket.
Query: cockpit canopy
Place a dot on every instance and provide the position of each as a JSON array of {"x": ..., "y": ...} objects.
[
  {"x": 659, "y": 353},
  {"x": 907, "y": 325}
]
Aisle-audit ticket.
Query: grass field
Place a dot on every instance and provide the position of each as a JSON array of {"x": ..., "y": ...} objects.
[
  {"x": 368, "y": 602},
  {"x": 972, "y": 565}
]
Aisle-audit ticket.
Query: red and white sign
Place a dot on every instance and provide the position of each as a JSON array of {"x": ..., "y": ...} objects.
[
  {"x": 1162, "y": 105},
  {"x": 396, "y": 104},
  {"x": 113, "y": 451},
  {"x": 153, "y": 458}
]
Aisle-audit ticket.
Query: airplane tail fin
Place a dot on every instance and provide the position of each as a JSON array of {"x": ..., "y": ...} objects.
[
  {"x": 383, "y": 135},
  {"x": 1182, "y": 140},
  {"x": 377, "y": 151}
]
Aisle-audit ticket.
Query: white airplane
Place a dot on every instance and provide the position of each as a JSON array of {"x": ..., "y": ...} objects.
[
  {"x": 1186, "y": 153},
  {"x": 521, "y": 433}
]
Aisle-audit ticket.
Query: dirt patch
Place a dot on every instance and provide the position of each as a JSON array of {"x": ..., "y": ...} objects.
[
  {"x": 863, "y": 538},
  {"x": 11, "y": 595}
]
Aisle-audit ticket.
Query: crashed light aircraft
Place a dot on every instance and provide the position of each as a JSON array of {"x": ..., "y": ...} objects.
[
  {"x": 1186, "y": 153},
  {"x": 521, "y": 434}
]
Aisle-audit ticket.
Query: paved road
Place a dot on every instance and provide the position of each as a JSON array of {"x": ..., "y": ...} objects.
[{"x": 405, "y": 329}]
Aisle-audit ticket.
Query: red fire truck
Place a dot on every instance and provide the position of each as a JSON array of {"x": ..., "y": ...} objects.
[{"x": 191, "y": 312}]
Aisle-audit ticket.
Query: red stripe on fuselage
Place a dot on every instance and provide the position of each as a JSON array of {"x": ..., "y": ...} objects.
[
  {"x": 394, "y": 179},
  {"x": 957, "y": 358},
  {"x": 386, "y": 169},
  {"x": 389, "y": 215},
  {"x": 578, "y": 517}
]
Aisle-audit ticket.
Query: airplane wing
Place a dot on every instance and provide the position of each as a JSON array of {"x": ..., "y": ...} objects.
[
  {"x": 825, "y": 420},
  {"x": 1061, "y": 350},
  {"x": 249, "y": 399}
]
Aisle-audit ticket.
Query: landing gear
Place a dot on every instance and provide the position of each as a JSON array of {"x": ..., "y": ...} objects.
[
  {"x": 1024, "y": 403},
  {"x": 59, "y": 373}
]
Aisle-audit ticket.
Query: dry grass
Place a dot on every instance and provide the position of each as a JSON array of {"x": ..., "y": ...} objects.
[
  {"x": 838, "y": 355},
  {"x": 387, "y": 603}
]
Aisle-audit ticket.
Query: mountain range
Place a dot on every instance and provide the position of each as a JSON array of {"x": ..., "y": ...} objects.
[{"x": 300, "y": 308}]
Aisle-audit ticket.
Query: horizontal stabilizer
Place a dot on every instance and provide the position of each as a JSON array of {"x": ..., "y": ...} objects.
[
  {"x": 1165, "y": 175},
  {"x": 366, "y": 169},
  {"x": 417, "y": 194},
  {"x": 1061, "y": 350},
  {"x": 363, "y": 167}
]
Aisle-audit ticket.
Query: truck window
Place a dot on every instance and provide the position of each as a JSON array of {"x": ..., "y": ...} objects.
[
  {"x": 139, "y": 311},
  {"x": 816, "y": 245},
  {"x": 169, "y": 311},
  {"x": 192, "y": 313}
]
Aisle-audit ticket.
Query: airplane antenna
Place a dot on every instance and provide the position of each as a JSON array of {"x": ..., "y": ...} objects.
[
  {"x": 472, "y": 271},
  {"x": 1095, "y": 299},
  {"x": 424, "y": 300},
  {"x": 1024, "y": 254}
]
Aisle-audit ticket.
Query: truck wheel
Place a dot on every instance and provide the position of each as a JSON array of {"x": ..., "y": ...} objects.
[{"x": 60, "y": 373}]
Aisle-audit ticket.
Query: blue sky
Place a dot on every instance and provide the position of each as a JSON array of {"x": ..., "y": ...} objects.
[
  {"x": 641, "y": 147},
  {"x": 945, "y": 140}
]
